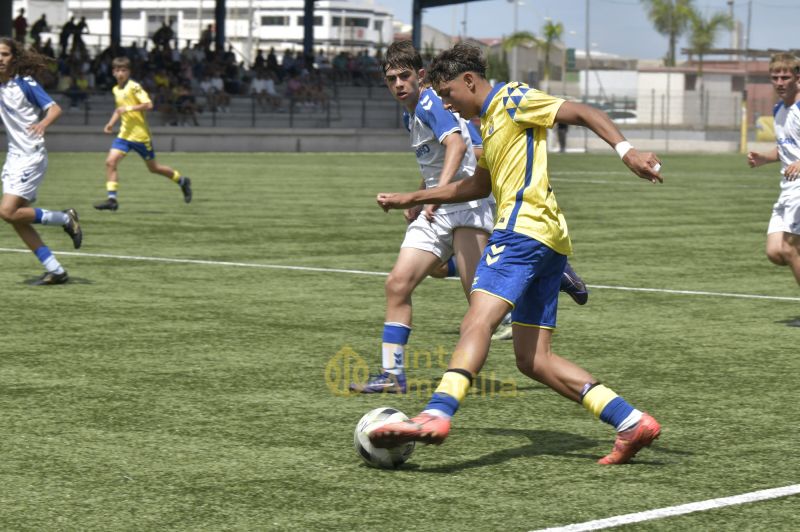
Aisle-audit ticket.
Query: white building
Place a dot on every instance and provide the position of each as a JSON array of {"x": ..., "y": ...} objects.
[
  {"x": 353, "y": 25},
  {"x": 679, "y": 97}
]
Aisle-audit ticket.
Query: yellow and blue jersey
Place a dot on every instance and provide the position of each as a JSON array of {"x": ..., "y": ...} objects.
[
  {"x": 514, "y": 123},
  {"x": 134, "y": 126}
]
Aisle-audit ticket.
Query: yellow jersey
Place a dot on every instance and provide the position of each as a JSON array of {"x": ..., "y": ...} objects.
[
  {"x": 134, "y": 126},
  {"x": 514, "y": 123}
]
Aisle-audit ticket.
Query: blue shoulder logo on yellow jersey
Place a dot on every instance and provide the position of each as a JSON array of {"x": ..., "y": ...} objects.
[{"x": 514, "y": 95}]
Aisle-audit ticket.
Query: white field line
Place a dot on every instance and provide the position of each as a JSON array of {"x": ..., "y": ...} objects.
[
  {"x": 682, "y": 509},
  {"x": 203, "y": 262},
  {"x": 380, "y": 274}
]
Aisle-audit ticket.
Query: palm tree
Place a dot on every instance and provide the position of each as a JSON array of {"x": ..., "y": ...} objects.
[
  {"x": 520, "y": 38},
  {"x": 670, "y": 18},
  {"x": 552, "y": 32},
  {"x": 704, "y": 32},
  {"x": 702, "y": 37},
  {"x": 496, "y": 66}
]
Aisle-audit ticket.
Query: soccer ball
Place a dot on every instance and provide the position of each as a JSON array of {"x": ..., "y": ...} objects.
[{"x": 383, "y": 458}]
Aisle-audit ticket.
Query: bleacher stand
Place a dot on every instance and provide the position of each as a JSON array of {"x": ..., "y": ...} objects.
[{"x": 198, "y": 86}]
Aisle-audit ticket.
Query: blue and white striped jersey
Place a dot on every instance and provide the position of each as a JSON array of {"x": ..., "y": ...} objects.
[
  {"x": 428, "y": 127},
  {"x": 22, "y": 103}
]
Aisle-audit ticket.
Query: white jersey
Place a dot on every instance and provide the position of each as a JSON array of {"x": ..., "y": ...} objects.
[
  {"x": 22, "y": 103},
  {"x": 428, "y": 127},
  {"x": 787, "y": 133}
]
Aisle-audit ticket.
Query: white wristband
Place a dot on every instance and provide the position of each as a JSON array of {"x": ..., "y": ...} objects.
[{"x": 623, "y": 148}]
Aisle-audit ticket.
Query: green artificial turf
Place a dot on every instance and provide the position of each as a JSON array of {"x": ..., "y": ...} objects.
[{"x": 206, "y": 393}]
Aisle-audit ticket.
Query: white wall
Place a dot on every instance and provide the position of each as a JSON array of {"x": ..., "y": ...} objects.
[
  {"x": 660, "y": 97},
  {"x": 617, "y": 83}
]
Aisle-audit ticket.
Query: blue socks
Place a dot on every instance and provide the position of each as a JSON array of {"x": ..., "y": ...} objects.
[{"x": 48, "y": 260}]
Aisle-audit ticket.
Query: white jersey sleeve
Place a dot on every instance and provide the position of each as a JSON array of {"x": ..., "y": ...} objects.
[{"x": 22, "y": 103}]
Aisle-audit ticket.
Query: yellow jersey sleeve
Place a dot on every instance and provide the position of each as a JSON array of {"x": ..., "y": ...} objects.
[
  {"x": 133, "y": 125},
  {"x": 531, "y": 107}
]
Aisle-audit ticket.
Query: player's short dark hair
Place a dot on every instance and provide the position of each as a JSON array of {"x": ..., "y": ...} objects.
[
  {"x": 121, "y": 62},
  {"x": 784, "y": 61},
  {"x": 401, "y": 54},
  {"x": 450, "y": 64}
]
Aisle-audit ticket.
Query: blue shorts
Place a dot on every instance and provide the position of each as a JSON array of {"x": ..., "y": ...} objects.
[
  {"x": 144, "y": 149},
  {"x": 524, "y": 272}
]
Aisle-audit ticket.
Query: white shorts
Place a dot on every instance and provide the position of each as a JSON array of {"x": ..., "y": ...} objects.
[
  {"x": 437, "y": 236},
  {"x": 23, "y": 174},
  {"x": 785, "y": 215}
]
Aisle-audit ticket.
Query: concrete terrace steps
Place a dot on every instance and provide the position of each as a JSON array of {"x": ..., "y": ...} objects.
[{"x": 355, "y": 109}]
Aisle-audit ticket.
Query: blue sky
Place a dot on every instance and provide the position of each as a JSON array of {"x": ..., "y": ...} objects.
[{"x": 616, "y": 26}]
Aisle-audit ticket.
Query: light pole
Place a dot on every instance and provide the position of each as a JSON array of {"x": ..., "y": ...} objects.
[{"x": 586, "y": 78}]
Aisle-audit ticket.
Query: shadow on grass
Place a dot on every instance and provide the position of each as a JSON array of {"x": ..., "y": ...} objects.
[
  {"x": 72, "y": 280},
  {"x": 542, "y": 443},
  {"x": 791, "y": 322}
]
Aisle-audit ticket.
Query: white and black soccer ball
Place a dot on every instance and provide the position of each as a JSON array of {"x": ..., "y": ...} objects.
[{"x": 384, "y": 458}]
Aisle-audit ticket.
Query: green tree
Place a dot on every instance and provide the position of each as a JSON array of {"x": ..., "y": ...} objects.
[
  {"x": 520, "y": 38},
  {"x": 552, "y": 32},
  {"x": 670, "y": 18},
  {"x": 497, "y": 66},
  {"x": 704, "y": 32}
]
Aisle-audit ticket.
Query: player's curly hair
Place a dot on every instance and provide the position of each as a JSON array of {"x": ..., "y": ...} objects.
[
  {"x": 784, "y": 61},
  {"x": 450, "y": 64},
  {"x": 401, "y": 54},
  {"x": 26, "y": 62}
]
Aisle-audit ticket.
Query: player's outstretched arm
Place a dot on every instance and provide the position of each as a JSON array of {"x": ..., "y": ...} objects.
[
  {"x": 476, "y": 187},
  {"x": 755, "y": 158},
  {"x": 644, "y": 164}
]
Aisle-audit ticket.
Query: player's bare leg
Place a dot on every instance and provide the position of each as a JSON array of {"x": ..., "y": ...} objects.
[
  {"x": 411, "y": 267},
  {"x": 783, "y": 249},
  {"x": 16, "y": 211},
  {"x": 183, "y": 181},
  {"x": 775, "y": 251},
  {"x": 112, "y": 163},
  {"x": 792, "y": 253},
  {"x": 535, "y": 359},
  {"x": 112, "y": 181},
  {"x": 162, "y": 169},
  {"x": 468, "y": 243},
  {"x": 485, "y": 312},
  {"x": 29, "y": 235}
]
